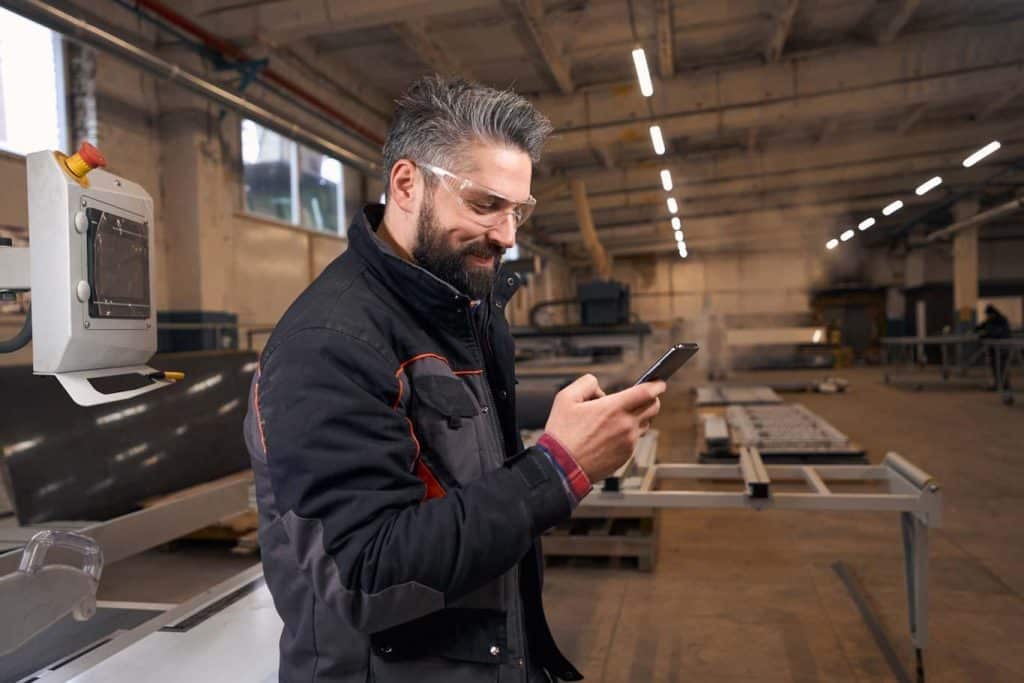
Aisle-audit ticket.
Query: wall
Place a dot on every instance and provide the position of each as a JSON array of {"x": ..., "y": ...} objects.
[{"x": 772, "y": 284}]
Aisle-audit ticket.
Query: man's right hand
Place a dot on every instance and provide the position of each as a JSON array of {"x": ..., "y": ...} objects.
[{"x": 600, "y": 431}]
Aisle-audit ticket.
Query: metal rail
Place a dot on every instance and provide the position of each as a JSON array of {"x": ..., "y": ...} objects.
[{"x": 910, "y": 491}]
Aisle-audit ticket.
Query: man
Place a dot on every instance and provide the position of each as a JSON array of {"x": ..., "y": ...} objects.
[
  {"x": 996, "y": 326},
  {"x": 399, "y": 511}
]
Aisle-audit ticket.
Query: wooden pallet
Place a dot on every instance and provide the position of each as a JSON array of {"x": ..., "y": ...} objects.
[
  {"x": 607, "y": 533},
  {"x": 615, "y": 533},
  {"x": 240, "y": 528}
]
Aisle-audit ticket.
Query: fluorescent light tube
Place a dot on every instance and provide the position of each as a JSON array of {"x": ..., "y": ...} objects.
[
  {"x": 982, "y": 153},
  {"x": 928, "y": 185},
  {"x": 676, "y": 223},
  {"x": 866, "y": 223},
  {"x": 892, "y": 208},
  {"x": 666, "y": 180},
  {"x": 673, "y": 206},
  {"x": 643, "y": 74},
  {"x": 846, "y": 236},
  {"x": 832, "y": 243},
  {"x": 657, "y": 140}
]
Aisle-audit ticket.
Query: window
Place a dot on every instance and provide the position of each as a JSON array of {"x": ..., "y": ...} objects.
[
  {"x": 32, "y": 114},
  {"x": 289, "y": 182}
]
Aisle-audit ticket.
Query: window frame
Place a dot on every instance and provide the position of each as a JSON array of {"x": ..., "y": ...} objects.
[{"x": 295, "y": 190}]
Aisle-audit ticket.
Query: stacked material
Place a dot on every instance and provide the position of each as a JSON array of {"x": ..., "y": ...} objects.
[
  {"x": 722, "y": 395},
  {"x": 788, "y": 429}
]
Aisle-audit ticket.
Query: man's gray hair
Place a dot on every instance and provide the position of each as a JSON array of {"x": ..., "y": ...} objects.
[{"x": 437, "y": 117}]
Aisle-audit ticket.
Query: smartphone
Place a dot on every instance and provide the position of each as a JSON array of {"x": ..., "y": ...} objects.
[{"x": 667, "y": 365}]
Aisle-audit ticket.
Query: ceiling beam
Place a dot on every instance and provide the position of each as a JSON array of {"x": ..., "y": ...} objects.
[
  {"x": 333, "y": 75},
  {"x": 417, "y": 38},
  {"x": 532, "y": 14},
  {"x": 827, "y": 130},
  {"x": 862, "y": 82},
  {"x": 912, "y": 117},
  {"x": 605, "y": 155},
  {"x": 292, "y": 20},
  {"x": 999, "y": 102},
  {"x": 780, "y": 33},
  {"x": 666, "y": 38},
  {"x": 891, "y": 28}
]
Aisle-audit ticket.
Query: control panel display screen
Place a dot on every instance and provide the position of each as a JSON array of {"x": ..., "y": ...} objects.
[{"x": 118, "y": 266}]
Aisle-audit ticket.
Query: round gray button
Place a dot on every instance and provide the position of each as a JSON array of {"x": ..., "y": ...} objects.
[
  {"x": 83, "y": 291},
  {"x": 81, "y": 222}
]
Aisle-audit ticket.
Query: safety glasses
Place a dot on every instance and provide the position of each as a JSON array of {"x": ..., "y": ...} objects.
[{"x": 483, "y": 205}]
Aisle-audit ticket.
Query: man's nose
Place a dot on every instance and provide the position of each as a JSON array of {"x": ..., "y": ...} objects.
[{"x": 504, "y": 233}]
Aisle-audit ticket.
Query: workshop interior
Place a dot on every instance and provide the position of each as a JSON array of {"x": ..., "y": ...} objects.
[{"x": 806, "y": 217}]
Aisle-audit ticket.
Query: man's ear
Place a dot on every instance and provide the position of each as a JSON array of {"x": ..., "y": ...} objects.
[{"x": 405, "y": 185}]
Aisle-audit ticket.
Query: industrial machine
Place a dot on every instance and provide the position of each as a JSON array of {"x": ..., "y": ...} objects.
[
  {"x": 90, "y": 271},
  {"x": 92, "y": 323}
]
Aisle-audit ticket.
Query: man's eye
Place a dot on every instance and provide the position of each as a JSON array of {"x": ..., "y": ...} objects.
[{"x": 483, "y": 205}]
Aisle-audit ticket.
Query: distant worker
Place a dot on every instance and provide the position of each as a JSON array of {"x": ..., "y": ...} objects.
[
  {"x": 400, "y": 514},
  {"x": 996, "y": 326}
]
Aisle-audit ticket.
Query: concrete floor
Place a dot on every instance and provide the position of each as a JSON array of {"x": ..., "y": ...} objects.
[{"x": 741, "y": 596}]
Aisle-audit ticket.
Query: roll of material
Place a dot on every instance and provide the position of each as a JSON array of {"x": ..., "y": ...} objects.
[{"x": 65, "y": 462}]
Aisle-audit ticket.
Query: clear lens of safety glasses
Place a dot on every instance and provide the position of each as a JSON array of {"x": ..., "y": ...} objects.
[{"x": 486, "y": 207}]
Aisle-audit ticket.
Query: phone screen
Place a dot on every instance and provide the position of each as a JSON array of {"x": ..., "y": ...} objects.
[{"x": 667, "y": 365}]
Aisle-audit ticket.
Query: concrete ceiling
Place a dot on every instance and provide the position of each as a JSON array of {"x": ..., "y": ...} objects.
[{"x": 785, "y": 120}]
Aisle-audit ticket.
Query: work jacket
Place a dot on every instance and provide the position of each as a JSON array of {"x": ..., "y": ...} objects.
[{"x": 399, "y": 512}]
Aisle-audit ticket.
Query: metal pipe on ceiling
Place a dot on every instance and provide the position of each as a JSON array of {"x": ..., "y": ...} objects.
[
  {"x": 984, "y": 217},
  {"x": 228, "y": 49},
  {"x": 84, "y": 32}
]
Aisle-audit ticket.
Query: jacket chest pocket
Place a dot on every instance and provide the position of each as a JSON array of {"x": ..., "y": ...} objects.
[{"x": 448, "y": 423}]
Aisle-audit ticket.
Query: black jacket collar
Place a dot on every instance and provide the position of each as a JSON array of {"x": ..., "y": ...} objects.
[{"x": 421, "y": 289}]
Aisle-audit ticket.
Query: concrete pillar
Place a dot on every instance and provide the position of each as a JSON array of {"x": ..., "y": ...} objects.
[
  {"x": 196, "y": 185},
  {"x": 965, "y": 265}
]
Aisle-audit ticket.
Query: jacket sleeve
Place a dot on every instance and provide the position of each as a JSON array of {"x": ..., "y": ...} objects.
[{"x": 341, "y": 463}]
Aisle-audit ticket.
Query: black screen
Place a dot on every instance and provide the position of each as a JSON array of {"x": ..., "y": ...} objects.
[{"x": 118, "y": 266}]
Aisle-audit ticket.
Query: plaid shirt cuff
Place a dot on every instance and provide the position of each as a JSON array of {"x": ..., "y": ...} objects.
[{"x": 577, "y": 484}]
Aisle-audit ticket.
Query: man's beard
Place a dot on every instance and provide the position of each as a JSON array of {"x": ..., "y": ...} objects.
[{"x": 433, "y": 253}]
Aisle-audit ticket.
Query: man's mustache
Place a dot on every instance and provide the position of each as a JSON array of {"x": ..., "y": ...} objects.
[{"x": 484, "y": 250}]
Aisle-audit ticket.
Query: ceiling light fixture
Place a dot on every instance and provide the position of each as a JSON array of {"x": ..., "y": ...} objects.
[
  {"x": 676, "y": 223},
  {"x": 982, "y": 153},
  {"x": 657, "y": 140},
  {"x": 673, "y": 206},
  {"x": 846, "y": 236},
  {"x": 643, "y": 74},
  {"x": 892, "y": 208},
  {"x": 928, "y": 185},
  {"x": 832, "y": 243},
  {"x": 866, "y": 223},
  {"x": 666, "y": 180}
]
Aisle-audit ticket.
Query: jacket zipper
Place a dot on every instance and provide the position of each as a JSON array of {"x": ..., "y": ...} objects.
[{"x": 496, "y": 424}]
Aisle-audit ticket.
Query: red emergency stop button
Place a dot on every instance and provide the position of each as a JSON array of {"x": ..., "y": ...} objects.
[{"x": 84, "y": 160}]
